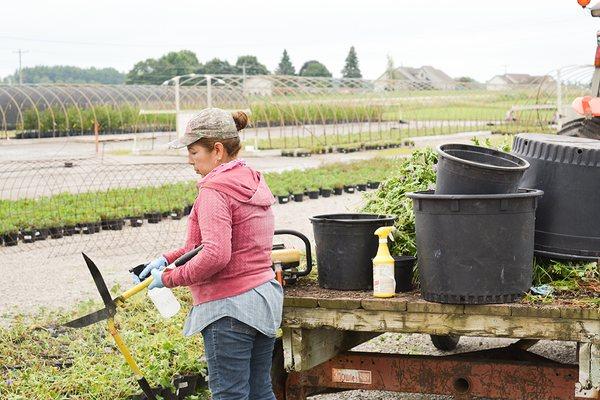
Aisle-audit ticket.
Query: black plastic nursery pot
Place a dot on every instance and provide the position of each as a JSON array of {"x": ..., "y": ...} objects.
[
  {"x": 349, "y": 188},
  {"x": 372, "y": 185},
  {"x": 567, "y": 169},
  {"x": 112, "y": 224},
  {"x": 136, "y": 221},
  {"x": 69, "y": 230},
  {"x": 361, "y": 187},
  {"x": 475, "y": 249},
  {"x": 10, "y": 239},
  {"x": 176, "y": 214},
  {"x": 313, "y": 194},
  {"x": 28, "y": 236},
  {"x": 326, "y": 192},
  {"x": 346, "y": 245},
  {"x": 154, "y": 217},
  {"x": 338, "y": 191},
  {"x": 42, "y": 234},
  {"x": 116, "y": 224},
  {"x": 283, "y": 199},
  {"x": 466, "y": 169},
  {"x": 403, "y": 272},
  {"x": 56, "y": 233},
  {"x": 97, "y": 227},
  {"x": 87, "y": 229},
  {"x": 190, "y": 384},
  {"x": 298, "y": 197},
  {"x": 187, "y": 209},
  {"x": 185, "y": 386}
]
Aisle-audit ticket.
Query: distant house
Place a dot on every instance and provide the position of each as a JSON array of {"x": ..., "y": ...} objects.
[
  {"x": 507, "y": 81},
  {"x": 425, "y": 77},
  {"x": 258, "y": 85}
]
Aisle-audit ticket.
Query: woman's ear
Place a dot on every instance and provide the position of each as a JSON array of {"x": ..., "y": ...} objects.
[{"x": 219, "y": 151}]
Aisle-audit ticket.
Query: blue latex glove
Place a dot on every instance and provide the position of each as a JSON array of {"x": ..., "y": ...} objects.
[
  {"x": 134, "y": 278},
  {"x": 157, "y": 279},
  {"x": 160, "y": 262},
  {"x": 543, "y": 290}
]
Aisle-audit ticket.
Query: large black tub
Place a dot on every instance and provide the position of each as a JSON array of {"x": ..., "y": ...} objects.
[
  {"x": 475, "y": 249},
  {"x": 466, "y": 169},
  {"x": 567, "y": 169},
  {"x": 346, "y": 245}
]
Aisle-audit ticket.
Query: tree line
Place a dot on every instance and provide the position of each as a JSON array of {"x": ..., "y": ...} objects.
[
  {"x": 154, "y": 71},
  {"x": 66, "y": 74}
]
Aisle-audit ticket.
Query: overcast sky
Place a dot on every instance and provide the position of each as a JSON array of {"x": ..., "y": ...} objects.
[{"x": 461, "y": 37}]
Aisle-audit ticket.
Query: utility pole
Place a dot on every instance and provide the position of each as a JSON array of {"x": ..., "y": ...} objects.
[
  {"x": 20, "y": 52},
  {"x": 243, "y": 75}
]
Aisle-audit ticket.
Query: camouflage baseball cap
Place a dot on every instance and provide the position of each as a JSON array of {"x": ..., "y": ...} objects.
[{"x": 209, "y": 123}]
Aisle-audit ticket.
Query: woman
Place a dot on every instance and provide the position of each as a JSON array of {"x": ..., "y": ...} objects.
[{"x": 237, "y": 301}]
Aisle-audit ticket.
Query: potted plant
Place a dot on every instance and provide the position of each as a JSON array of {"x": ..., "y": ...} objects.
[
  {"x": 313, "y": 192},
  {"x": 338, "y": 188},
  {"x": 349, "y": 188},
  {"x": 318, "y": 150},
  {"x": 152, "y": 212},
  {"x": 41, "y": 230},
  {"x": 373, "y": 184},
  {"x": 56, "y": 233},
  {"x": 361, "y": 187},
  {"x": 66, "y": 218},
  {"x": 326, "y": 192},
  {"x": 110, "y": 219},
  {"x": 297, "y": 192},
  {"x": 28, "y": 233},
  {"x": 188, "y": 209},
  {"x": 9, "y": 233},
  {"x": 91, "y": 222},
  {"x": 136, "y": 217},
  {"x": 176, "y": 213},
  {"x": 282, "y": 198}
]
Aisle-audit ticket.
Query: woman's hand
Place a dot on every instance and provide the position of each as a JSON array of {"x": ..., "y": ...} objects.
[
  {"x": 159, "y": 263},
  {"x": 157, "y": 279}
]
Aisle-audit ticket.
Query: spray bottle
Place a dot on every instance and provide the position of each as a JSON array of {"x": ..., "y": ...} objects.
[
  {"x": 384, "y": 284},
  {"x": 165, "y": 301}
]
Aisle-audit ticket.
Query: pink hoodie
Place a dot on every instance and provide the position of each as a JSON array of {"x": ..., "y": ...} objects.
[{"x": 232, "y": 218}]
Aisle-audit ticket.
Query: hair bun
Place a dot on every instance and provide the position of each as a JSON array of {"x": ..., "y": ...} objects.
[{"x": 241, "y": 119}]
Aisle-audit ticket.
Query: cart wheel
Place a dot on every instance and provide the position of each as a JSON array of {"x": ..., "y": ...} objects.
[{"x": 445, "y": 342}]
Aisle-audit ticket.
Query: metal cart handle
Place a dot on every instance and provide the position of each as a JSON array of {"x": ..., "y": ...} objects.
[{"x": 306, "y": 245}]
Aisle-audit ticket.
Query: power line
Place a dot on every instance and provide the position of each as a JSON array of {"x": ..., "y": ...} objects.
[{"x": 80, "y": 43}]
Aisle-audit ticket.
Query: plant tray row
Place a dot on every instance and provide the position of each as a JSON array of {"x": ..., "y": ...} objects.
[
  {"x": 343, "y": 149},
  {"x": 315, "y": 194},
  {"x": 88, "y": 228}
]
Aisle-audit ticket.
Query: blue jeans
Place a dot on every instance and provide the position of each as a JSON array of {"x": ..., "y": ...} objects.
[{"x": 239, "y": 361}]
